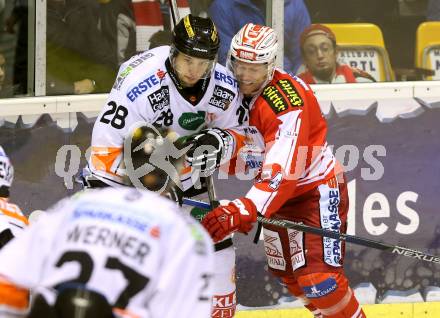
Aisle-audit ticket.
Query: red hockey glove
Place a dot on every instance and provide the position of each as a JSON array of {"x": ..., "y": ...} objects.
[{"x": 239, "y": 215}]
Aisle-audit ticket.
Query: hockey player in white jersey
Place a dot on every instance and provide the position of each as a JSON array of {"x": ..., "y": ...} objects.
[
  {"x": 12, "y": 220},
  {"x": 180, "y": 87},
  {"x": 113, "y": 252}
]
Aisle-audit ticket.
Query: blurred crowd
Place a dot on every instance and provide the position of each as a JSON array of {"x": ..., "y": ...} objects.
[{"x": 87, "y": 40}]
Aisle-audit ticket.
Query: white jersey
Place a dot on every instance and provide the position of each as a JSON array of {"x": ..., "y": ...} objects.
[
  {"x": 145, "y": 91},
  {"x": 11, "y": 217},
  {"x": 132, "y": 246}
]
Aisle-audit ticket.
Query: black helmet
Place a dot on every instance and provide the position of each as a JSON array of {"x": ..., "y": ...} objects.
[
  {"x": 197, "y": 37},
  {"x": 72, "y": 302}
]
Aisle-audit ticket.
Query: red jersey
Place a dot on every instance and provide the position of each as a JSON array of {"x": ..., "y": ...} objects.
[
  {"x": 297, "y": 158},
  {"x": 343, "y": 74}
]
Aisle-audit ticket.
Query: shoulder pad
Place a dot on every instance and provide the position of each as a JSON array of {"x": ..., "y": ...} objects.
[
  {"x": 155, "y": 59},
  {"x": 301, "y": 82},
  {"x": 282, "y": 94}
]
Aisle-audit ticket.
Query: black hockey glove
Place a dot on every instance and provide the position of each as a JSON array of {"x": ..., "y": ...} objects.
[{"x": 210, "y": 148}]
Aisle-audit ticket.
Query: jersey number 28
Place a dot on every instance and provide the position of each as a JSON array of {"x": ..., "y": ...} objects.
[{"x": 115, "y": 116}]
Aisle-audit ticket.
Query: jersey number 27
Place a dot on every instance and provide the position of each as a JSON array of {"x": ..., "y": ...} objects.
[{"x": 136, "y": 281}]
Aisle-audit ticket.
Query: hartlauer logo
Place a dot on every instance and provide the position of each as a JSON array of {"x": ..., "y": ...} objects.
[{"x": 246, "y": 55}]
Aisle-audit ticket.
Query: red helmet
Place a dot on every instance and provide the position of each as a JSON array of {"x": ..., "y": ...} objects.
[{"x": 255, "y": 44}]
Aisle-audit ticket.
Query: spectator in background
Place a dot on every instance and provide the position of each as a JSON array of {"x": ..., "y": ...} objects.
[
  {"x": 230, "y": 15},
  {"x": 2, "y": 70},
  {"x": 80, "y": 60},
  {"x": 199, "y": 7},
  {"x": 5, "y": 85},
  {"x": 161, "y": 37},
  {"x": 116, "y": 22},
  {"x": 319, "y": 52},
  {"x": 433, "y": 10},
  {"x": 17, "y": 22}
]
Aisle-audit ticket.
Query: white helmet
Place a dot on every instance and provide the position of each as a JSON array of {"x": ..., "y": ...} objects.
[
  {"x": 255, "y": 44},
  {"x": 6, "y": 169}
]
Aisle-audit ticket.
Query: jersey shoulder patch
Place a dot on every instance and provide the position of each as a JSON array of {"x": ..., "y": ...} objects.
[
  {"x": 289, "y": 90},
  {"x": 142, "y": 74},
  {"x": 274, "y": 99},
  {"x": 128, "y": 68},
  {"x": 146, "y": 83},
  {"x": 281, "y": 94}
]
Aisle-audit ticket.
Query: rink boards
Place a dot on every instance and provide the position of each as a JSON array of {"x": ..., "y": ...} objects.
[
  {"x": 402, "y": 310},
  {"x": 386, "y": 135}
]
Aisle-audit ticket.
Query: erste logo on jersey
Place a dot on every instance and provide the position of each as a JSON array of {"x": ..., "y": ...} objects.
[
  {"x": 160, "y": 98},
  {"x": 275, "y": 99},
  {"x": 144, "y": 85},
  {"x": 330, "y": 220},
  {"x": 221, "y": 97},
  {"x": 225, "y": 78},
  {"x": 291, "y": 93}
]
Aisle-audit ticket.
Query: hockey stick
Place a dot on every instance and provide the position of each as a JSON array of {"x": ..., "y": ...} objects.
[
  {"x": 211, "y": 192},
  {"x": 394, "y": 249},
  {"x": 175, "y": 18}
]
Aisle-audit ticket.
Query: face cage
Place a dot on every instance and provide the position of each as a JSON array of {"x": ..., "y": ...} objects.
[
  {"x": 270, "y": 68},
  {"x": 209, "y": 70}
]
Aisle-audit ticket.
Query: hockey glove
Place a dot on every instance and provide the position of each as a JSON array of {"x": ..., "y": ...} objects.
[
  {"x": 238, "y": 215},
  {"x": 209, "y": 148}
]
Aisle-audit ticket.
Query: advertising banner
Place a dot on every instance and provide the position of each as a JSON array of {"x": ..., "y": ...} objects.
[{"x": 393, "y": 181}]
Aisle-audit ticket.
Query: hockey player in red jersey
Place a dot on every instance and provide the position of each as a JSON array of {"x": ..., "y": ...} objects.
[{"x": 299, "y": 180}]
